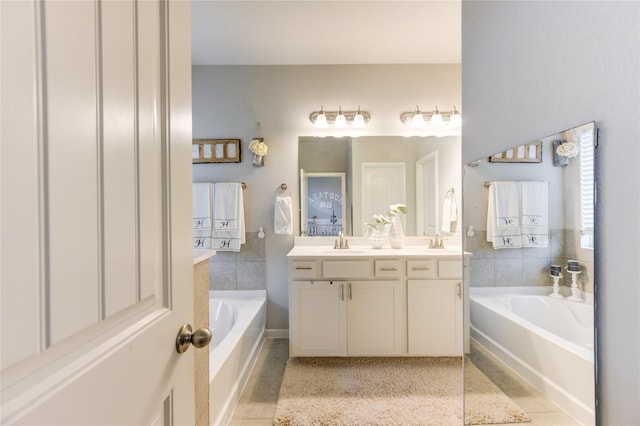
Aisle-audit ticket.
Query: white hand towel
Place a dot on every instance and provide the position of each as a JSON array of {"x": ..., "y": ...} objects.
[
  {"x": 500, "y": 237},
  {"x": 224, "y": 238},
  {"x": 201, "y": 213},
  {"x": 507, "y": 204},
  {"x": 534, "y": 225},
  {"x": 201, "y": 205},
  {"x": 202, "y": 238},
  {"x": 449, "y": 214},
  {"x": 283, "y": 215},
  {"x": 225, "y": 206}
]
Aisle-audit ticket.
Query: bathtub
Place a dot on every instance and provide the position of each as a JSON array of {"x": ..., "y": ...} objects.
[
  {"x": 547, "y": 341},
  {"x": 237, "y": 322}
]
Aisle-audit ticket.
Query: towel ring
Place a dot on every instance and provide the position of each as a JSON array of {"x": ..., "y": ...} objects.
[
  {"x": 282, "y": 189},
  {"x": 450, "y": 192}
]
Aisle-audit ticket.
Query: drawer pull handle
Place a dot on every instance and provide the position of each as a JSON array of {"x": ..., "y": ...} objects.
[
  {"x": 459, "y": 290},
  {"x": 303, "y": 268},
  {"x": 350, "y": 292},
  {"x": 421, "y": 268},
  {"x": 342, "y": 292},
  {"x": 389, "y": 269}
]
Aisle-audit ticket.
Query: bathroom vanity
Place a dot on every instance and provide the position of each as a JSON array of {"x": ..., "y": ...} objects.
[{"x": 375, "y": 302}]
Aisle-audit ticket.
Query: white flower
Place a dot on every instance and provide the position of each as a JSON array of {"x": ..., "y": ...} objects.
[
  {"x": 568, "y": 149},
  {"x": 258, "y": 147},
  {"x": 396, "y": 209},
  {"x": 379, "y": 220}
]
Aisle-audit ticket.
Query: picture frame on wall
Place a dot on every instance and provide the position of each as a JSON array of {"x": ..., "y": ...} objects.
[
  {"x": 215, "y": 151},
  {"x": 527, "y": 153}
]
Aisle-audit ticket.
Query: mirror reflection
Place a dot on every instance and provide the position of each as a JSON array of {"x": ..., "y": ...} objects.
[
  {"x": 420, "y": 172},
  {"x": 530, "y": 226},
  {"x": 324, "y": 211}
]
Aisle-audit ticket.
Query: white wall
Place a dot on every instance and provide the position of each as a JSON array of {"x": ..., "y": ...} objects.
[
  {"x": 531, "y": 69},
  {"x": 229, "y": 101}
]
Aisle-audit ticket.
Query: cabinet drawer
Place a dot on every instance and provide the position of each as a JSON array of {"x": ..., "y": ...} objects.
[
  {"x": 450, "y": 268},
  {"x": 422, "y": 268},
  {"x": 304, "y": 270},
  {"x": 345, "y": 269},
  {"x": 388, "y": 268}
]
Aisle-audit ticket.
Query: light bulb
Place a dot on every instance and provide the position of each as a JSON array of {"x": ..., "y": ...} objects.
[
  {"x": 417, "y": 121},
  {"x": 341, "y": 120},
  {"x": 455, "y": 120},
  {"x": 321, "y": 120},
  {"x": 358, "y": 120},
  {"x": 436, "y": 118}
]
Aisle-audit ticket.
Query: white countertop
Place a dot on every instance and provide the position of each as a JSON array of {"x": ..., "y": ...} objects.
[
  {"x": 367, "y": 251},
  {"x": 200, "y": 255}
]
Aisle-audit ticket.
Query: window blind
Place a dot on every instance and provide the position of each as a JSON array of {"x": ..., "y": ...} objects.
[{"x": 587, "y": 190}]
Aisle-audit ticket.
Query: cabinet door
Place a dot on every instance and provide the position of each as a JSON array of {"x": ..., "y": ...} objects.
[
  {"x": 376, "y": 318},
  {"x": 435, "y": 317},
  {"x": 317, "y": 321}
]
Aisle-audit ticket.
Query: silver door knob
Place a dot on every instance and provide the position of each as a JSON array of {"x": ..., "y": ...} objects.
[{"x": 186, "y": 336}]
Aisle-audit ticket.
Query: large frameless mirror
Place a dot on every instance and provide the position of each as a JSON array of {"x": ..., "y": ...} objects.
[
  {"x": 421, "y": 172},
  {"x": 529, "y": 218}
]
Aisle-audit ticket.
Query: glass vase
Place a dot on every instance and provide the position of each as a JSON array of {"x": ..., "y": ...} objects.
[
  {"x": 258, "y": 160},
  {"x": 396, "y": 233},
  {"x": 376, "y": 238}
]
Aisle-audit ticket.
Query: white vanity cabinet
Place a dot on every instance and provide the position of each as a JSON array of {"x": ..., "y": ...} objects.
[
  {"x": 347, "y": 304},
  {"x": 434, "y": 317},
  {"x": 376, "y": 318},
  {"x": 434, "y": 307},
  {"x": 317, "y": 318},
  {"x": 347, "y": 310},
  {"x": 329, "y": 317}
]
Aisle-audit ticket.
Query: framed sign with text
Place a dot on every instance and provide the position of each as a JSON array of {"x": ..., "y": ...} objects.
[{"x": 215, "y": 151}]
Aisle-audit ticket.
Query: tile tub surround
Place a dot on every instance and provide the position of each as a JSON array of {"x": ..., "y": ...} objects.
[
  {"x": 525, "y": 266},
  {"x": 245, "y": 270}
]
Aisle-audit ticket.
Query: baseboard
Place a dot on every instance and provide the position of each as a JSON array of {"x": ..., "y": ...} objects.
[{"x": 277, "y": 333}]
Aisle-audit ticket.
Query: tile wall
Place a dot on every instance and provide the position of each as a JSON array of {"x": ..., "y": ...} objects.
[
  {"x": 245, "y": 270},
  {"x": 525, "y": 266}
]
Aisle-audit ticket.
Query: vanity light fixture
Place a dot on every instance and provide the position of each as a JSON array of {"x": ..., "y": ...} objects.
[
  {"x": 435, "y": 119},
  {"x": 320, "y": 120},
  {"x": 455, "y": 119},
  {"x": 340, "y": 119},
  {"x": 417, "y": 122},
  {"x": 358, "y": 120}
]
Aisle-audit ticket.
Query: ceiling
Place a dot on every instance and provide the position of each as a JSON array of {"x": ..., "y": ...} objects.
[{"x": 315, "y": 32}]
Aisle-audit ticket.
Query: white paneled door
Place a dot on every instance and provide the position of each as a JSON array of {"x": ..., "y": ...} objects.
[
  {"x": 382, "y": 184},
  {"x": 95, "y": 212}
]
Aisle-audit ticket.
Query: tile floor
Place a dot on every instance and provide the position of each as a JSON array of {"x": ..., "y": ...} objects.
[
  {"x": 541, "y": 411},
  {"x": 257, "y": 403}
]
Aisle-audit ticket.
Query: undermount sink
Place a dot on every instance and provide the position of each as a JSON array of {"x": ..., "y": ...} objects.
[
  {"x": 454, "y": 250},
  {"x": 347, "y": 251}
]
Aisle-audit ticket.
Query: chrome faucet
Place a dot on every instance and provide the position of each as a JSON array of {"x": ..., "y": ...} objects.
[
  {"x": 438, "y": 243},
  {"x": 341, "y": 242}
]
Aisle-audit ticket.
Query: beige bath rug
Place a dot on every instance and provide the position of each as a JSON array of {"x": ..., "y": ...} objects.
[{"x": 388, "y": 391}]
